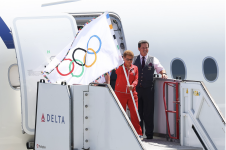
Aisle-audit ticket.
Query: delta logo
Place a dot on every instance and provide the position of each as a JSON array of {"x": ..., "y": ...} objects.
[
  {"x": 53, "y": 118},
  {"x": 40, "y": 146}
]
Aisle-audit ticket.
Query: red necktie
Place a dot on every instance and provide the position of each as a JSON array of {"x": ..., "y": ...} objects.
[{"x": 143, "y": 63}]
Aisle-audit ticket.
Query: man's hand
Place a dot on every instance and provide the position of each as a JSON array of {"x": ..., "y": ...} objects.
[
  {"x": 130, "y": 87},
  {"x": 164, "y": 76},
  {"x": 163, "y": 73}
]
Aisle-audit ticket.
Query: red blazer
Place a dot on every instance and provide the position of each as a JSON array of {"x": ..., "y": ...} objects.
[{"x": 121, "y": 83}]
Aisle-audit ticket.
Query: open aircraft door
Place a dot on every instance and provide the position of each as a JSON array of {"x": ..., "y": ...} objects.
[{"x": 37, "y": 40}]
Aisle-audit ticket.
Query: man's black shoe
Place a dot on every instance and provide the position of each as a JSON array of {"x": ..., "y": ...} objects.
[{"x": 149, "y": 137}]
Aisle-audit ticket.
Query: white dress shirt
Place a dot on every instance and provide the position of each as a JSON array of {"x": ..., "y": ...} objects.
[{"x": 157, "y": 65}]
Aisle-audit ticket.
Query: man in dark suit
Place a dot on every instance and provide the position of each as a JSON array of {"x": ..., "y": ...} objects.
[{"x": 146, "y": 67}]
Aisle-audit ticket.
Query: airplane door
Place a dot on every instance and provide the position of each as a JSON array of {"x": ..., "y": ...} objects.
[{"x": 37, "y": 40}]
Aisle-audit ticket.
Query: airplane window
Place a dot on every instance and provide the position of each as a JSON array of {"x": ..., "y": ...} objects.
[
  {"x": 210, "y": 69},
  {"x": 178, "y": 68}
]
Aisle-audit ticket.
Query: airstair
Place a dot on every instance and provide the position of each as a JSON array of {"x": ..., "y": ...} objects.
[
  {"x": 186, "y": 117},
  {"x": 82, "y": 117},
  {"x": 186, "y": 113},
  {"x": 200, "y": 117}
]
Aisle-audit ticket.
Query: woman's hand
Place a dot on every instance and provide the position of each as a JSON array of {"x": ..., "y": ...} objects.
[
  {"x": 107, "y": 78},
  {"x": 96, "y": 82},
  {"x": 130, "y": 87}
]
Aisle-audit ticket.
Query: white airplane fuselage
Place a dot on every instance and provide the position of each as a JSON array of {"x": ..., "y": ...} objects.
[{"x": 190, "y": 31}]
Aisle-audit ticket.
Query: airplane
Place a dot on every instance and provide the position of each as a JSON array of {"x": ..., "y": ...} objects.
[{"x": 186, "y": 36}]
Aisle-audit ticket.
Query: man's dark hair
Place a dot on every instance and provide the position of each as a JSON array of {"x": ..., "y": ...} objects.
[{"x": 141, "y": 42}]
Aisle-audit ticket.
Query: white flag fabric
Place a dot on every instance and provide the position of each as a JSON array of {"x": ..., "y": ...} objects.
[{"x": 93, "y": 52}]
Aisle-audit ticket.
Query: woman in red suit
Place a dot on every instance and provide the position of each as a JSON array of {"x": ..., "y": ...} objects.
[{"x": 122, "y": 90}]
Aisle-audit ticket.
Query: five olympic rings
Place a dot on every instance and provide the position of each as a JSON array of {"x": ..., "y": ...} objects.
[{"x": 79, "y": 62}]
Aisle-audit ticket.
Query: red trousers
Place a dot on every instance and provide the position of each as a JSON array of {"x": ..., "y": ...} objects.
[{"x": 126, "y": 99}]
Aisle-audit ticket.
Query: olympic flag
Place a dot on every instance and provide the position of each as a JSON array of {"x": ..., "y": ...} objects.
[{"x": 93, "y": 52}]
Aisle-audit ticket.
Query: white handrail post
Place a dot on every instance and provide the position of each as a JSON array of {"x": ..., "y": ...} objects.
[{"x": 131, "y": 92}]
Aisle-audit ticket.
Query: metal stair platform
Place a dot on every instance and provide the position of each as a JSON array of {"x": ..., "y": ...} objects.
[{"x": 158, "y": 143}]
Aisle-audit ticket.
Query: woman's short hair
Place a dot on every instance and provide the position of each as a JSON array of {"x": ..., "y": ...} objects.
[{"x": 129, "y": 53}]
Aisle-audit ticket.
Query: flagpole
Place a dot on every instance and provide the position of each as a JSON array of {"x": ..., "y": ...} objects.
[{"x": 131, "y": 92}]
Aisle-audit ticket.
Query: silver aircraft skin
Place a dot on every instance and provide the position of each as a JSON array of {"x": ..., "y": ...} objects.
[{"x": 189, "y": 30}]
